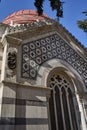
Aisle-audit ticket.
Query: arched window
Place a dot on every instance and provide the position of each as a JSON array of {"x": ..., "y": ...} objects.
[{"x": 62, "y": 109}]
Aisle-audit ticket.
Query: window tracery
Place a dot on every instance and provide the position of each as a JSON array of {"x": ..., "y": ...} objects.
[{"x": 61, "y": 103}]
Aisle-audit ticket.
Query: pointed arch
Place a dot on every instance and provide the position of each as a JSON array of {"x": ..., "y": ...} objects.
[{"x": 61, "y": 103}]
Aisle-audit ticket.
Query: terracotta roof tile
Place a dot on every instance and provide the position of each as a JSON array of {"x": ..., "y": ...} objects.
[{"x": 23, "y": 16}]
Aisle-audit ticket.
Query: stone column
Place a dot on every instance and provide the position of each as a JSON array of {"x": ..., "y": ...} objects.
[
  {"x": 84, "y": 106},
  {"x": 82, "y": 115}
]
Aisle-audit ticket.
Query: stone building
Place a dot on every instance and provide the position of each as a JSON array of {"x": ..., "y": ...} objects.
[{"x": 43, "y": 71}]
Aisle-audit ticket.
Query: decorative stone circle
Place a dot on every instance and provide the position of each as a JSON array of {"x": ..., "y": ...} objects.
[{"x": 47, "y": 48}]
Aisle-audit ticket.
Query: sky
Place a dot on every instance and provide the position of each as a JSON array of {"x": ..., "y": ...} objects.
[{"x": 72, "y": 12}]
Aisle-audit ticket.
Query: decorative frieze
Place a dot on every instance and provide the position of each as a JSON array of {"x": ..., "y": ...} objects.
[{"x": 30, "y": 26}]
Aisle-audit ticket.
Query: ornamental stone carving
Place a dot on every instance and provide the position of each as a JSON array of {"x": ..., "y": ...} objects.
[
  {"x": 11, "y": 60},
  {"x": 35, "y": 53},
  {"x": 11, "y": 63}
]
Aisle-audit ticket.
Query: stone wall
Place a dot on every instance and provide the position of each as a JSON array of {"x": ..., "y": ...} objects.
[{"x": 24, "y": 108}]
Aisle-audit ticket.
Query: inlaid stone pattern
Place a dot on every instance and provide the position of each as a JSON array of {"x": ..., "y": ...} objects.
[{"x": 37, "y": 52}]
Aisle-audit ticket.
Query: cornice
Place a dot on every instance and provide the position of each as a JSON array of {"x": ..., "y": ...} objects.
[
  {"x": 19, "y": 85},
  {"x": 77, "y": 42},
  {"x": 13, "y": 40},
  {"x": 26, "y": 31},
  {"x": 30, "y": 26}
]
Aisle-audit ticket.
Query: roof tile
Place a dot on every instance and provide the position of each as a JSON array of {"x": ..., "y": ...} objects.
[{"x": 23, "y": 16}]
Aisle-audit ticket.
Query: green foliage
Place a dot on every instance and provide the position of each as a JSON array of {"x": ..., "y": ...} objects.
[
  {"x": 58, "y": 6},
  {"x": 83, "y": 24},
  {"x": 55, "y": 5}
]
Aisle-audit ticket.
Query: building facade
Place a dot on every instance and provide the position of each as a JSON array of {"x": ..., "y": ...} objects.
[{"x": 43, "y": 75}]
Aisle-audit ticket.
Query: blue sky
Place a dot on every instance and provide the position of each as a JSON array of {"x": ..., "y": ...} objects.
[{"x": 72, "y": 13}]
